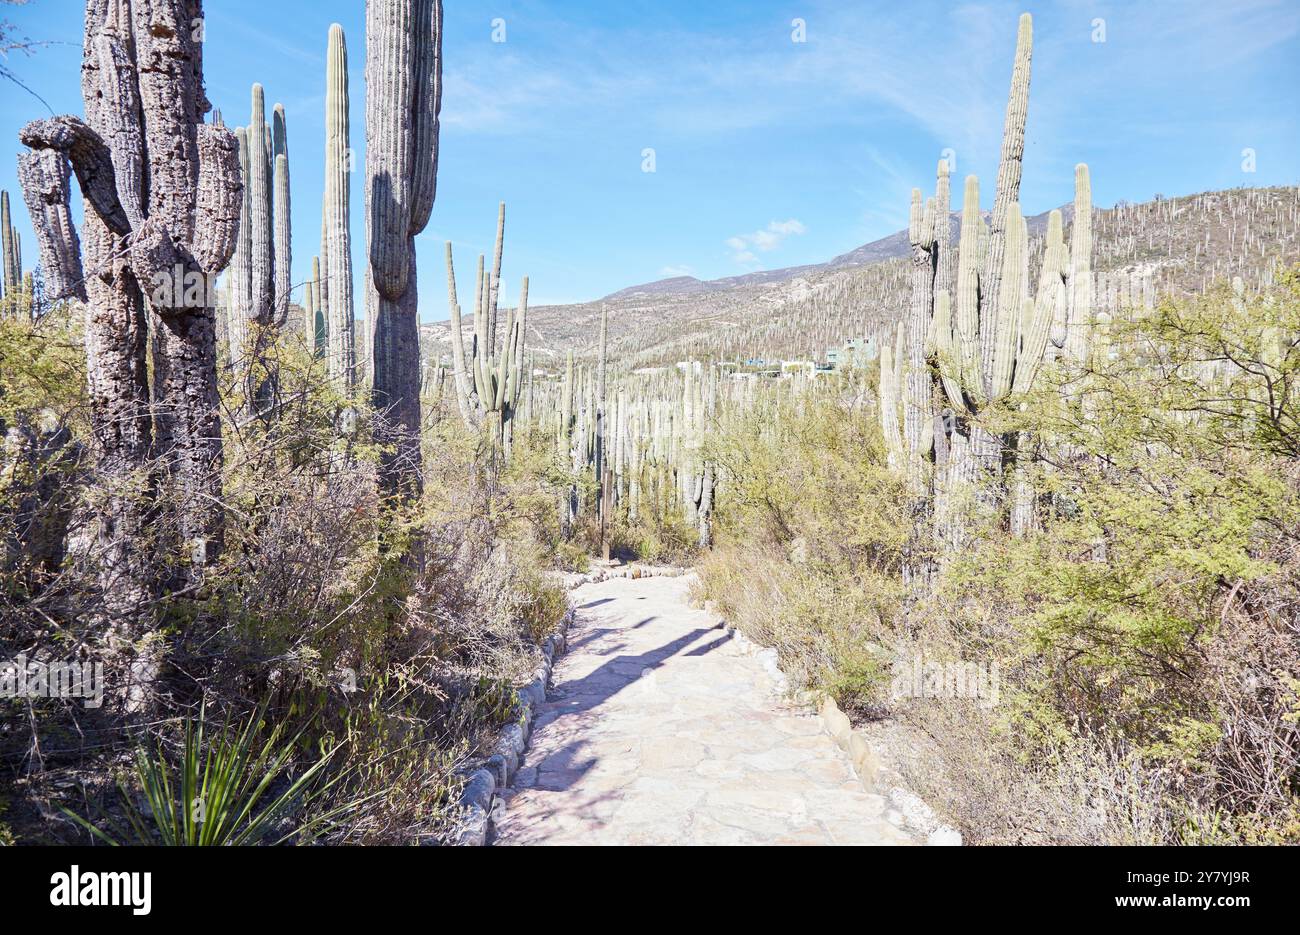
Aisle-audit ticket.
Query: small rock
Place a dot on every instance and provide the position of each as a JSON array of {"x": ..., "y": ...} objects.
[{"x": 944, "y": 836}]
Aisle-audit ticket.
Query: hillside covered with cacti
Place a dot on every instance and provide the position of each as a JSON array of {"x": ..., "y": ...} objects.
[{"x": 1171, "y": 246}]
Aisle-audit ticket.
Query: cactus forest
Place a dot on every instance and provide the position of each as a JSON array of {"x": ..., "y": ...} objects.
[{"x": 986, "y": 531}]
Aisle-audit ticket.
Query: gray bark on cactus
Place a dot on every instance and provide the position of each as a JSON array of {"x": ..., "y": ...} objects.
[
  {"x": 403, "y": 99},
  {"x": 918, "y": 418},
  {"x": 336, "y": 246},
  {"x": 142, "y": 85},
  {"x": 46, "y": 180}
]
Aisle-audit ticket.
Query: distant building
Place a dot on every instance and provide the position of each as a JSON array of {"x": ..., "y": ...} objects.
[{"x": 856, "y": 352}]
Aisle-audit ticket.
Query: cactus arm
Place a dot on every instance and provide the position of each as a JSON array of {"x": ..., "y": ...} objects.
[
  {"x": 464, "y": 385},
  {"x": 495, "y": 282},
  {"x": 46, "y": 181},
  {"x": 1042, "y": 312},
  {"x": 945, "y": 352},
  {"x": 519, "y": 341},
  {"x": 426, "y": 110},
  {"x": 504, "y": 364},
  {"x": 282, "y": 211},
  {"x": 220, "y": 198},
  {"x": 1011, "y": 302},
  {"x": 1007, "y": 193},
  {"x": 390, "y": 155},
  {"x": 92, "y": 162}
]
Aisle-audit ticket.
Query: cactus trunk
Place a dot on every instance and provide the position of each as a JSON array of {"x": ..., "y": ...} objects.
[
  {"x": 336, "y": 248},
  {"x": 403, "y": 91},
  {"x": 143, "y": 91}
]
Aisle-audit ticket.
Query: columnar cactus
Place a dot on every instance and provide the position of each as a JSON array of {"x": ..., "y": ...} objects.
[
  {"x": 488, "y": 385},
  {"x": 316, "y": 333},
  {"x": 12, "y": 266},
  {"x": 403, "y": 99},
  {"x": 336, "y": 237},
  {"x": 1010, "y": 165},
  {"x": 893, "y": 366},
  {"x": 239, "y": 302},
  {"x": 260, "y": 197},
  {"x": 282, "y": 212},
  {"x": 142, "y": 83},
  {"x": 918, "y": 417},
  {"x": 601, "y": 368},
  {"x": 1080, "y": 312}
]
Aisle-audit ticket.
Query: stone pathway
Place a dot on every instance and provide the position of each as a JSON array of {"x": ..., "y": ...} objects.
[{"x": 658, "y": 730}]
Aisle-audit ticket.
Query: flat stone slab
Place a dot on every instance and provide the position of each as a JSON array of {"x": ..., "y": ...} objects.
[{"x": 660, "y": 730}]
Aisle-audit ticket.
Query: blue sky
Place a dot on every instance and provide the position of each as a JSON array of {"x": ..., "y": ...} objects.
[{"x": 768, "y": 152}]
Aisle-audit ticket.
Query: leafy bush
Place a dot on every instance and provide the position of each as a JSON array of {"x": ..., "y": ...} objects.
[{"x": 1144, "y": 629}]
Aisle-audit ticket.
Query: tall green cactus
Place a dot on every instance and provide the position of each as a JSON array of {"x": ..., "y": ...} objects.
[
  {"x": 316, "y": 333},
  {"x": 282, "y": 212},
  {"x": 336, "y": 236},
  {"x": 893, "y": 366},
  {"x": 403, "y": 99},
  {"x": 12, "y": 272},
  {"x": 260, "y": 208}
]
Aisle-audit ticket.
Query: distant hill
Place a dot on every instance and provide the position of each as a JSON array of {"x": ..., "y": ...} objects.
[{"x": 1171, "y": 244}]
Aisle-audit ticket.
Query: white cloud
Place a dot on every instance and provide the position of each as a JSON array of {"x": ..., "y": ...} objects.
[
  {"x": 746, "y": 247},
  {"x": 675, "y": 271}
]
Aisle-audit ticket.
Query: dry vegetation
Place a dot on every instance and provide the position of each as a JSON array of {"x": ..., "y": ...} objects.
[{"x": 1144, "y": 632}]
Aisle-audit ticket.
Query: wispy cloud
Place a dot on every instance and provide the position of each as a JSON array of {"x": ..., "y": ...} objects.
[
  {"x": 675, "y": 271},
  {"x": 746, "y": 247}
]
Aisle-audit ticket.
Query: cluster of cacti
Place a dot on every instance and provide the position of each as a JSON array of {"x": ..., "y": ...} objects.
[
  {"x": 489, "y": 373},
  {"x": 258, "y": 287},
  {"x": 403, "y": 98},
  {"x": 987, "y": 342},
  {"x": 640, "y": 445},
  {"x": 15, "y": 285},
  {"x": 142, "y": 82}
]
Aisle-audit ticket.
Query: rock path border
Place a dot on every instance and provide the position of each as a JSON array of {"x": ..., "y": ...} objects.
[{"x": 482, "y": 788}]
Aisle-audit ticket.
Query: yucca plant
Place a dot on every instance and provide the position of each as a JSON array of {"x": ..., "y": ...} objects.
[{"x": 235, "y": 789}]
